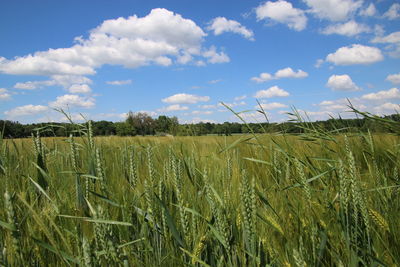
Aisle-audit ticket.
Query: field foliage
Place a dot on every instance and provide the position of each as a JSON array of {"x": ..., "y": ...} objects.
[{"x": 316, "y": 199}]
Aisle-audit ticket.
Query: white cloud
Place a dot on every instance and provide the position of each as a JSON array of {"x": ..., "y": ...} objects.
[
  {"x": 175, "y": 107},
  {"x": 185, "y": 99},
  {"x": 317, "y": 115},
  {"x": 69, "y": 101},
  {"x": 214, "y": 57},
  {"x": 334, "y": 10},
  {"x": 220, "y": 25},
  {"x": 394, "y": 78},
  {"x": 387, "y": 108},
  {"x": 4, "y": 94},
  {"x": 393, "y": 12},
  {"x": 342, "y": 83},
  {"x": 119, "y": 82},
  {"x": 341, "y": 105},
  {"x": 207, "y": 106},
  {"x": 393, "y": 93},
  {"x": 271, "y": 106},
  {"x": 32, "y": 85},
  {"x": 369, "y": 11},
  {"x": 273, "y": 91},
  {"x": 282, "y": 73},
  {"x": 238, "y": 98},
  {"x": 282, "y": 12},
  {"x": 156, "y": 38},
  {"x": 200, "y": 63},
  {"x": 264, "y": 77},
  {"x": 376, "y": 103},
  {"x": 26, "y": 110},
  {"x": 326, "y": 103},
  {"x": 109, "y": 116},
  {"x": 319, "y": 63},
  {"x": 252, "y": 117},
  {"x": 355, "y": 54},
  {"x": 41, "y": 64},
  {"x": 392, "y": 38},
  {"x": 202, "y": 112},
  {"x": 215, "y": 81},
  {"x": 80, "y": 89},
  {"x": 232, "y": 105},
  {"x": 66, "y": 81},
  {"x": 289, "y": 73},
  {"x": 350, "y": 28}
]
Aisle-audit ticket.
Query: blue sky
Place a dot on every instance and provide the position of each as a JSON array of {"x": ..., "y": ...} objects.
[{"x": 102, "y": 59}]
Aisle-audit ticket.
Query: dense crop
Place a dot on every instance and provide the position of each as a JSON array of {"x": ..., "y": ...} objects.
[{"x": 252, "y": 200}]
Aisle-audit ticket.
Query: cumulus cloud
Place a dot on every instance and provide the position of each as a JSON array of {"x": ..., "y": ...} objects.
[
  {"x": 350, "y": 28},
  {"x": 207, "y": 106},
  {"x": 185, "y": 99},
  {"x": 238, "y": 98},
  {"x": 282, "y": 12},
  {"x": 378, "y": 103},
  {"x": 393, "y": 93},
  {"x": 67, "y": 81},
  {"x": 32, "y": 85},
  {"x": 80, "y": 89},
  {"x": 334, "y": 10},
  {"x": 271, "y": 106},
  {"x": 175, "y": 107},
  {"x": 387, "y": 108},
  {"x": 110, "y": 116},
  {"x": 220, "y": 25},
  {"x": 282, "y": 73},
  {"x": 132, "y": 42},
  {"x": 273, "y": 91},
  {"x": 394, "y": 78},
  {"x": 72, "y": 83},
  {"x": 119, "y": 82},
  {"x": 392, "y": 38},
  {"x": 319, "y": 63},
  {"x": 214, "y": 57},
  {"x": 41, "y": 64},
  {"x": 369, "y": 11},
  {"x": 70, "y": 101},
  {"x": 4, "y": 94},
  {"x": 251, "y": 117},
  {"x": 393, "y": 41},
  {"x": 231, "y": 105},
  {"x": 393, "y": 12},
  {"x": 355, "y": 54},
  {"x": 263, "y": 77},
  {"x": 25, "y": 110},
  {"x": 289, "y": 73},
  {"x": 202, "y": 112},
  {"x": 342, "y": 83},
  {"x": 326, "y": 103}
]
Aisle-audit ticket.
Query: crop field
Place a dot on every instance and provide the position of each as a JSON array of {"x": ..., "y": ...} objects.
[{"x": 250, "y": 200}]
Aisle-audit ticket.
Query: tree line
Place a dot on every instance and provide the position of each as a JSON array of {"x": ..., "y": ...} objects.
[{"x": 143, "y": 124}]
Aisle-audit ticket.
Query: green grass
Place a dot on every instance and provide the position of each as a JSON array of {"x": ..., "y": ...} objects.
[{"x": 262, "y": 200}]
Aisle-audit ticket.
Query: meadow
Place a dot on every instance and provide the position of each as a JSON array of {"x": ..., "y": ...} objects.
[{"x": 316, "y": 199}]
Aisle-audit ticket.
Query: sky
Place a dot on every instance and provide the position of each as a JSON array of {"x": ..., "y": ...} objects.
[{"x": 100, "y": 59}]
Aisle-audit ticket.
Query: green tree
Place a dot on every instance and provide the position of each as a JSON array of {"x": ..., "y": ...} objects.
[
  {"x": 124, "y": 129},
  {"x": 142, "y": 122}
]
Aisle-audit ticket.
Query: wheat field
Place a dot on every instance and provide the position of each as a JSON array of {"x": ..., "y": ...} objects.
[{"x": 251, "y": 200}]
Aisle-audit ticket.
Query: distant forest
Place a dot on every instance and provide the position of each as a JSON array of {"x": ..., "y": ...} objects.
[{"x": 143, "y": 124}]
